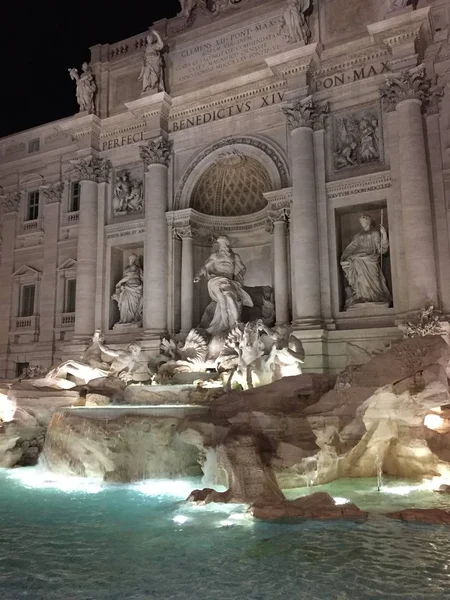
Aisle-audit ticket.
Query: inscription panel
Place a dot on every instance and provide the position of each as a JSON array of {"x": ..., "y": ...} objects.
[{"x": 252, "y": 41}]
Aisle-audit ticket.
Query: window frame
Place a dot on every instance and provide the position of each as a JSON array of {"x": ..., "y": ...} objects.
[
  {"x": 22, "y": 305},
  {"x": 67, "y": 295},
  {"x": 35, "y": 195},
  {"x": 72, "y": 196}
]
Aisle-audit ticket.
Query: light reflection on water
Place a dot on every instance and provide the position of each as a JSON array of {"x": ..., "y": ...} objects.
[{"x": 79, "y": 539}]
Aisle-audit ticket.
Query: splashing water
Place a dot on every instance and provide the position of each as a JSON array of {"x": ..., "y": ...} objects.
[{"x": 379, "y": 465}]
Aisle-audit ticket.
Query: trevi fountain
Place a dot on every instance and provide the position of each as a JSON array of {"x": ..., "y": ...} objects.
[{"x": 249, "y": 395}]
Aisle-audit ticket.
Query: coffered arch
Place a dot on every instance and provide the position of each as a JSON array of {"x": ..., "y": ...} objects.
[{"x": 230, "y": 177}]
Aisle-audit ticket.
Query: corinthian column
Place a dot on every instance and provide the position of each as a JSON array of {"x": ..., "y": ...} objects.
[
  {"x": 279, "y": 221},
  {"x": 303, "y": 117},
  {"x": 90, "y": 172},
  {"x": 155, "y": 155},
  {"x": 187, "y": 278},
  {"x": 409, "y": 93}
]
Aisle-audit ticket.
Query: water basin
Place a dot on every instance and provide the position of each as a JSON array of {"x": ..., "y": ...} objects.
[{"x": 77, "y": 539}]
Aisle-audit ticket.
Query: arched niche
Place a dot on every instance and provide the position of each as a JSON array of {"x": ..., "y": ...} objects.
[{"x": 260, "y": 167}]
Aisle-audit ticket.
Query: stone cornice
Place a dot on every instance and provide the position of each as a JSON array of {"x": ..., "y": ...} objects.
[
  {"x": 279, "y": 199},
  {"x": 148, "y": 107},
  {"x": 402, "y": 29},
  {"x": 359, "y": 185},
  {"x": 346, "y": 61},
  {"x": 82, "y": 126},
  {"x": 209, "y": 225},
  {"x": 120, "y": 230},
  {"x": 226, "y": 98},
  {"x": 296, "y": 61}
]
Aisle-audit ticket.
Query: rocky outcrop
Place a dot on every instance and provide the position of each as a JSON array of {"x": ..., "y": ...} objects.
[
  {"x": 298, "y": 431},
  {"x": 123, "y": 448},
  {"x": 317, "y": 430},
  {"x": 22, "y": 434},
  {"x": 434, "y": 516}
]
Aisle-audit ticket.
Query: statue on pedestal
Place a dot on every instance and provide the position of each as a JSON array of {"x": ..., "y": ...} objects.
[
  {"x": 361, "y": 262},
  {"x": 151, "y": 73},
  {"x": 224, "y": 271},
  {"x": 129, "y": 290},
  {"x": 86, "y": 88},
  {"x": 295, "y": 27}
]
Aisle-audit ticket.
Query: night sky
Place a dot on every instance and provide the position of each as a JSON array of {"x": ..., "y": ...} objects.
[{"x": 41, "y": 41}]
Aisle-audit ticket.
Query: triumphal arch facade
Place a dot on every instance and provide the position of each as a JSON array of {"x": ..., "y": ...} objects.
[{"x": 308, "y": 140}]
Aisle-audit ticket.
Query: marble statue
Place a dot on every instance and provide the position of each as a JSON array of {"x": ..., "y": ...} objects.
[
  {"x": 127, "y": 363},
  {"x": 90, "y": 366},
  {"x": 294, "y": 26},
  {"x": 224, "y": 272},
  {"x": 151, "y": 74},
  {"x": 128, "y": 196},
  {"x": 129, "y": 290},
  {"x": 361, "y": 262},
  {"x": 86, "y": 88},
  {"x": 187, "y": 8},
  {"x": 396, "y": 4}
]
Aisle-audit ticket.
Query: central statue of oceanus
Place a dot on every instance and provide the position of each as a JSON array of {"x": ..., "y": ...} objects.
[{"x": 224, "y": 272}]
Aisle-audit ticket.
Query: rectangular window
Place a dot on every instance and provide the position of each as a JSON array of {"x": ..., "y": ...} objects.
[
  {"x": 74, "y": 204},
  {"x": 71, "y": 289},
  {"x": 33, "y": 145},
  {"x": 33, "y": 205},
  {"x": 21, "y": 368},
  {"x": 27, "y": 300}
]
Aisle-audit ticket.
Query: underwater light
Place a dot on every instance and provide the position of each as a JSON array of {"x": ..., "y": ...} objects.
[
  {"x": 338, "y": 500},
  {"x": 180, "y": 519}
]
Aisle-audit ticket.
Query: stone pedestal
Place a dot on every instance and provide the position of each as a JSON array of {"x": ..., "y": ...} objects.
[
  {"x": 155, "y": 156},
  {"x": 416, "y": 205}
]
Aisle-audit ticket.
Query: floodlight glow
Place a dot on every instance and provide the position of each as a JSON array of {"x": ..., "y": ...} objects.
[{"x": 433, "y": 421}]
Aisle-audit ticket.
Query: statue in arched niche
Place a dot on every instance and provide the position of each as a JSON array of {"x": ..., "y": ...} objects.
[
  {"x": 224, "y": 272},
  {"x": 361, "y": 263},
  {"x": 129, "y": 290}
]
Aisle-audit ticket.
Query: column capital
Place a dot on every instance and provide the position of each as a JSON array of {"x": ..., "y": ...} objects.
[
  {"x": 156, "y": 151},
  {"x": 411, "y": 84},
  {"x": 11, "y": 202},
  {"x": 92, "y": 169},
  {"x": 183, "y": 232},
  {"x": 305, "y": 112},
  {"x": 281, "y": 215},
  {"x": 52, "y": 193}
]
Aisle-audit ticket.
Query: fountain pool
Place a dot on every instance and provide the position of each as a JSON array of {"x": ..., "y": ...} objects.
[{"x": 77, "y": 539}]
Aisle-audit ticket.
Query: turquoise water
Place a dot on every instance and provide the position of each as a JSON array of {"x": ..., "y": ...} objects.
[{"x": 79, "y": 540}]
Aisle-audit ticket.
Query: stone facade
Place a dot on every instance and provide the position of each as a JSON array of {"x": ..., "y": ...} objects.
[{"x": 274, "y": 128}]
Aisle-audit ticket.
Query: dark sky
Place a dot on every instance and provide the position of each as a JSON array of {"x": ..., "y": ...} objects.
[{"x": 42, "y": 40}]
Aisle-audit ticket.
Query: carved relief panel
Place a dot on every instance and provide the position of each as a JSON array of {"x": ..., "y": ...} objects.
[
  {"x": 127, "y": 191},
  {"x": 357, "y": 139}
]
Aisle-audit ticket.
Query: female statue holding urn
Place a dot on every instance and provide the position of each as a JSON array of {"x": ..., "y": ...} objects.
[{"x": 128, "y": 294}]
